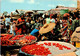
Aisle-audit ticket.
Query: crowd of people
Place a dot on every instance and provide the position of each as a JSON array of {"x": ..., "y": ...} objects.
[{"x": 27, "y": 24}]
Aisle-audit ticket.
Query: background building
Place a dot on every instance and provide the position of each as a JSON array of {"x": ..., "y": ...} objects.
[{"x": 78, "y": 4}]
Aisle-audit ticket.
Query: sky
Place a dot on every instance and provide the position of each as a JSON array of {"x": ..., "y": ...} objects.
[{"x": 12, "y": 5}]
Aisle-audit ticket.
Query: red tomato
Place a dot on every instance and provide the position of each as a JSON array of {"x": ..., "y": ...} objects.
[
  {"x": 45, "y": 43},
  {"x": 49, "y": 44},
  {"x": 60, "y": 48},
  {"x": 69, "y": 48},
  {"x": 54, "y": 44}
]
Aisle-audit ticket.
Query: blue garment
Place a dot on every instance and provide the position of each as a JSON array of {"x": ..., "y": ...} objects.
[
  {"x": 14, "y": 32},
  {"x": 34, "y": 31}
]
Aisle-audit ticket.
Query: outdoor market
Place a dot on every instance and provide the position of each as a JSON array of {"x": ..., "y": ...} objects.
[{"x": 55, "y": 32}]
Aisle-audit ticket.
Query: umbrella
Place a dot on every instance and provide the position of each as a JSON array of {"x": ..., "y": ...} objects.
[
  {"x": 29, "y": 12},
  {"x": 76, "y": 35},
  {"x": 15, "y": 17},
  {"x": 66, "y": 14},
  {"x": 46, "y": 28},
  {"x": 20, "y": 11},
  {"x": 41, "y": 12}
]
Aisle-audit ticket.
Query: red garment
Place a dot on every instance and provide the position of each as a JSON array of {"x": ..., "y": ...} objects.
[
  {"x": 20, "y": 20},
  {"x": 20, "y": 30},
  {"x": 51, "y": 16},
  {"x": 64, "y": 23}
]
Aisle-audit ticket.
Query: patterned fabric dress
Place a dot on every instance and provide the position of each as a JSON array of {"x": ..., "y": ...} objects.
[{"x": 64, "y": 23}]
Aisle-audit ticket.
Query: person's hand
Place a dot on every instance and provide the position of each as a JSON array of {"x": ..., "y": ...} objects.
[
  {"x": 59, "y": 38},
  {"x": 22, "y": 22},
  {"x": 61, "y": 30}
]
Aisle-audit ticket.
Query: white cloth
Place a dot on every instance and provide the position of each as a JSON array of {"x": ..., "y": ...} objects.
[{"x": 6, "y": 21}]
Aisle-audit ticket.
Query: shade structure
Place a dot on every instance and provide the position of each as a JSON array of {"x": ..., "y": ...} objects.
[
  {"x": 66, "y": 14},
  {"x": 46, "y": 28},
  {"x": 41, "y": 12},
  {"x": 63, "y": 11},
  {"x": 29, "y": 11},
  {"x": 15, "y": 17}
]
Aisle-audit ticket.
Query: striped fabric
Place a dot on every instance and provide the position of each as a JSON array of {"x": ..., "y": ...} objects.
[{"x": 64, "y": 23}]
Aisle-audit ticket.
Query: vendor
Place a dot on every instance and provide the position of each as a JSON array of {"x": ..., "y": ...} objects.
[
  {"x": 64, "y": 26},
  {"x": 28, "y": 24},
  {"x": 47, "y": 19},
  {"x": 75, "y": 24},
  {"x": 12, "y": 27},
  {"x": 21, "y": 24},
  {"x": 7, "y": 22},
  {"x": 37, "y": 27}
]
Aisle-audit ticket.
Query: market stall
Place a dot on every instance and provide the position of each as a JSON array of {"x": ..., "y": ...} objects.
[{"x": 10, "y": 42}]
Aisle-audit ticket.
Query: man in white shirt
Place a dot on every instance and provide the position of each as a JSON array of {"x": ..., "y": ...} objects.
[{"x": 7, "y": 22}]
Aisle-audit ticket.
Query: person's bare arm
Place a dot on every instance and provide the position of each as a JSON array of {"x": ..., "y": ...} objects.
[
  {"x": 27, "y": 19},
  {"x": 17, "y": 23},
  {"x": 44, "y": 21},
  {"x": 63, "y": 28}
]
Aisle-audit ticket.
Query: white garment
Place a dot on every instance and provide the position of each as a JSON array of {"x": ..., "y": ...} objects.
[
  {"x": 43, "y": 15},
  {"x": 6, "y": 21},
  {"x": 52, "y": 21},
  {"x": 47, "y": 20},
  {"x": 61, "y": 23},
  {"x": 11, "y": 28}
]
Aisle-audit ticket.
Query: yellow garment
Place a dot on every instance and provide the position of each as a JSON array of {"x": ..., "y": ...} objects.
[
  {"x": 4, "y": 19},
  {"x": 78, "y": 44}
]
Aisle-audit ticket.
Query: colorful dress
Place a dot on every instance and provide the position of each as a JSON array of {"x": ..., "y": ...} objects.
[{"x": 64, "y": 23}]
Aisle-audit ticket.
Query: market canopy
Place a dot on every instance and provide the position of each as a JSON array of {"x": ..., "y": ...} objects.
[
  {"x": 29, "y": 11},
  {"x": 41, "y": 12},
  {"x": 63, "y": 11}
]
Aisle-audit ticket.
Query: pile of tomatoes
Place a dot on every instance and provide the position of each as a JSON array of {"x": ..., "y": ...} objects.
[
  {"x": 17, "y": 37},
  {"x": 5, "y": 40},
  {"x": 35, "y": 49},
  {"x": 30, "y": 37}
]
